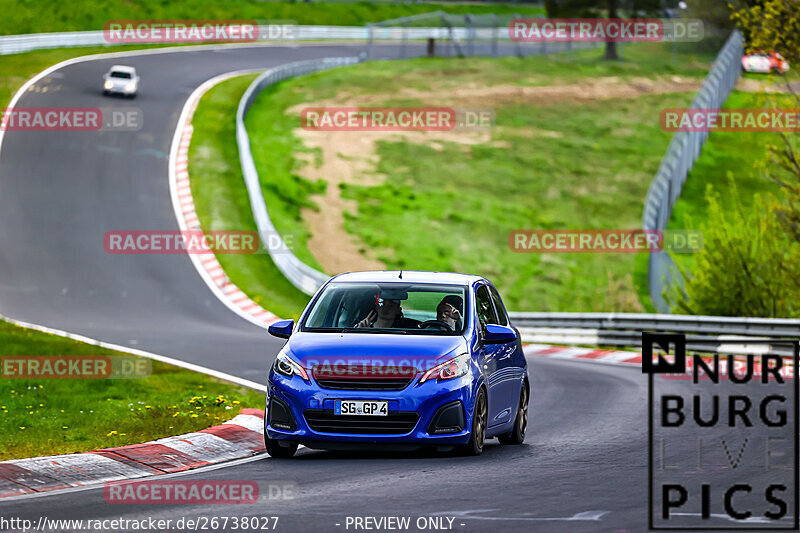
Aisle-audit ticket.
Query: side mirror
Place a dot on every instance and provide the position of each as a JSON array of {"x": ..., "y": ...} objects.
[
  {"x": 495, "y": 334},
  {"x": 281, "y": 328}
]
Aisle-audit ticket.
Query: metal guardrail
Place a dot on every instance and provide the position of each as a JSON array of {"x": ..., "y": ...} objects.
[
  {"x": 14, "y": 44},
  {"x": 683, "y": 151},
  {"x": 301, "y": 275},
  {"x": 703, "y": 333}
]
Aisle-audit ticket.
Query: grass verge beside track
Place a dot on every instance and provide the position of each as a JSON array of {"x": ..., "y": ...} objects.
[
  {"x": 54, "y": 16},
  {"x": 562, "y": 161},
  {"x": 56, "y": 416},
  {"x": 221, "y": 199},
  {"x": 724, "y": 154}
]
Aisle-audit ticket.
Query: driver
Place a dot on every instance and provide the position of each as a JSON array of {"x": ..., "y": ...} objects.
[
  {"x": 449, "y": 311},
  {"x": 386, "y": 314}
]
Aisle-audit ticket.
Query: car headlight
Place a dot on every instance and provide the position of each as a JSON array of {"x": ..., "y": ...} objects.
[
  {"x": 109, "y": 84},
  {"x": 288, "y": 367},
  {"x": 130, "y": 87},
  {"x": 454, "y": 368}
]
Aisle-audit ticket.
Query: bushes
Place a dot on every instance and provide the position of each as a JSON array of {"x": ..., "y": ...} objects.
[{"x": 747, "y": 267}]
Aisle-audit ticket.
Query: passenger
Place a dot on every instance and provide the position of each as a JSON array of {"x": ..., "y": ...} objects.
[
  {"x": 449, "y": 311},
  {"x": 387, "y": 314}
]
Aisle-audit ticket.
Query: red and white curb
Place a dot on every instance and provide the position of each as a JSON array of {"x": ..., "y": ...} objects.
[
  {"x": 583, "y": 354},
  {"x": 237, "y": 438},
  {"x": 609, "y": 357},
  {"x": 180, "y": 188}
]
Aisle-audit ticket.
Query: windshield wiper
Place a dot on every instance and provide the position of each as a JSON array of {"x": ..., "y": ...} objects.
[{"x": 374, "y": 330}]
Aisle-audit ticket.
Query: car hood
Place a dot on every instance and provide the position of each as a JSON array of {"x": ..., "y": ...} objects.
[{"x": 376, "y": 349}]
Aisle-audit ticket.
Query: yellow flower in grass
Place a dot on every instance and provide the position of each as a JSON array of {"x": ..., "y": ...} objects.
[
  {"x": 22, "y": 428},
  {"x": 64, "y": 427},
  {"x": 176, "y": 414},
  {"x": 195, "y": 415},
  {"x": 111, "y": 433}
]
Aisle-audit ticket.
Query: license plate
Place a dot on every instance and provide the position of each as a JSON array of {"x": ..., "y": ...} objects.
[{"x": 360, "y": 408}]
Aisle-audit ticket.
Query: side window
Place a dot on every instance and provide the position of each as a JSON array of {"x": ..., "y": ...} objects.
[
  {"x": 484, "y": 306},
  {"x": 502, "y": 319}
]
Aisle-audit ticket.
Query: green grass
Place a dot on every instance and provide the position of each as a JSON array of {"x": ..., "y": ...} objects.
[
  {"x": 35, "y": 16},
  {"x": 453, "y": 209},
  {"x": 735, "y": 153},
  {"x": 56, "y": 416},
  {"x": 221, "y": 199}
]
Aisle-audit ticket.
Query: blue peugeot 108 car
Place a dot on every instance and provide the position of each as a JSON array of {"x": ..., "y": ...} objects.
[{"x": 403, "y": 359}]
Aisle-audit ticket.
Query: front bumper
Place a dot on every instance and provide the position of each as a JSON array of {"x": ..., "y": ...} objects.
[
  {"x": 426, "y": 400},
  {"x": 120, "y": 89}
]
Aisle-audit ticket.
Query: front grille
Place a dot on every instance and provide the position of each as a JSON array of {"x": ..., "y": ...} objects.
[
  {"x": 364, "y": 384},
  {"x": 357, "y": 377},
  {"x": 395, "y": 423}
]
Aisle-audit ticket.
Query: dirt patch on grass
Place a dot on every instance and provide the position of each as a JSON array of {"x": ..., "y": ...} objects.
[
  {"x": 751, "y": 85},
  {"x": 350, "y": 157},
  {"x": 480, "y": 95}
]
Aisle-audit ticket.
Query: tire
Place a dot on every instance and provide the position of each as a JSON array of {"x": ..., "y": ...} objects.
[
  {"x": 274, "y": 448},
  {"x": 517, "y": 435},
  {"x": 480, "y": 415}
]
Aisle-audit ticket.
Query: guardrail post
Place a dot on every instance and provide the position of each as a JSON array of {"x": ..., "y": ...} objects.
[
  {"x": 370, "y": 38},
  {"x": 495, "y": 28},
  {"x": 405, "y": 38},
  {"x": 468, "y": 25}
]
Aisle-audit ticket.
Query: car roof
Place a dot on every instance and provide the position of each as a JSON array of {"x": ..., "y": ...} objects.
[
  {"x": 122, "y": 68},
  {"x": 409, "y": 276}
]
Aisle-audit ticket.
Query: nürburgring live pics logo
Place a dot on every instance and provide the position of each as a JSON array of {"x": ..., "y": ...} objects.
[{"x": 723, "y": 434}]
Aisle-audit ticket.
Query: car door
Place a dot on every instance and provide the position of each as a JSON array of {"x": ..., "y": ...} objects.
[
  {"x": 508, "y": 371},
  {"x": 491, "y": 356}
]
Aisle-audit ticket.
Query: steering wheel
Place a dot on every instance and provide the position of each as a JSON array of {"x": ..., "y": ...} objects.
[{"x": 442, "y": 325}]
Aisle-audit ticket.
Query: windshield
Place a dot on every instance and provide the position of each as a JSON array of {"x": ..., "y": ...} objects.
[
  {"x": 402, "y": 308},
  {"x": 118, "y": 74}
]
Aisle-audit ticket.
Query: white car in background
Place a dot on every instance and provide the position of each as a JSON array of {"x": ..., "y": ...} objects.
[{"x": 121, "y": 80}]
